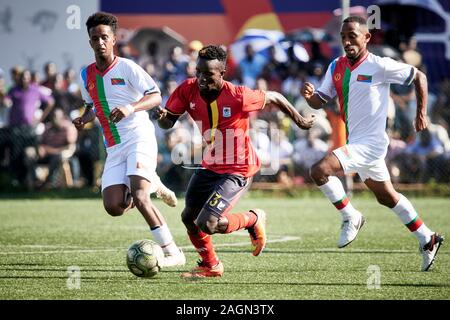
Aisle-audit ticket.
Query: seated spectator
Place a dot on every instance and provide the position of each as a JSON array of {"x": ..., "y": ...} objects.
[
  {"x": 57, "y": 143},
  {"x": 307, "y": 152},
  {"x": 88, "y": 153},
  {"x": 261, "y": 141},
  {"x": 440, "y": 133},
  {"x": 281, "y": 150},
  {"x": 322, "y": 123},
  {"x": 395, "y": 156},
  {"x": 424, "y": 159}
]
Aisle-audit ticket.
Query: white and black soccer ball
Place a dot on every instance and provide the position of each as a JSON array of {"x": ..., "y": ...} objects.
[{"x": 142, "y": 258}]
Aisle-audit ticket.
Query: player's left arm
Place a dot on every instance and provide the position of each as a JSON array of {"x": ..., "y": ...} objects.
[
  {"x": 405, "y": 74},
  {"x": 147, "y": 102},
  {"x": 421, "y": 87},
  {"x": 277, "y": 99}
]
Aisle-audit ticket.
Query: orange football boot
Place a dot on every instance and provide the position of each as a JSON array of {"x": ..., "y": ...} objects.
[
  {"x": 203, "y": 271},
  {"x": 258, "y": 232}
]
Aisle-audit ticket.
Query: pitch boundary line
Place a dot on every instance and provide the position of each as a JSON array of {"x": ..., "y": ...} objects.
[{"x": 81, "y": 250}]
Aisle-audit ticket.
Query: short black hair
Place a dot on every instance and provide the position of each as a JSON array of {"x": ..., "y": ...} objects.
[
  {"x": 212, "y": 52},
  {"x": 362, "y": 21},
  {"x": 104, "y": 18}
]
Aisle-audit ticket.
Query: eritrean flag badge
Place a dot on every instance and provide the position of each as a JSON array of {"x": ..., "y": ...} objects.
[
  {"x": 117, "y": 82},
  {"x": 364, "y": 78}
]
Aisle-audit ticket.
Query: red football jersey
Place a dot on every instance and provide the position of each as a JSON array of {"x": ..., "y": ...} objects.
[{"x": 224, "y": 124}]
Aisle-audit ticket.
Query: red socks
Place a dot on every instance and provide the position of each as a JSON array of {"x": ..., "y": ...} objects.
[
  {"x": 204, "y": 246},
  {"x": 238, "y": 221}
]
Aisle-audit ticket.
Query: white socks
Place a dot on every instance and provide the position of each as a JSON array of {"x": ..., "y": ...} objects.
[
  {"x": 335, "y": 192},
  {"x": 409, "y": 217},
  {"x": 164, "y": 238}
]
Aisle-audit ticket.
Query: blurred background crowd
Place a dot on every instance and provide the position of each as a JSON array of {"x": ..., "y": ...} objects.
[{"x": 40, "y": 149}]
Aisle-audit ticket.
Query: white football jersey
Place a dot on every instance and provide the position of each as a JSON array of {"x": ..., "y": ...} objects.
[
  {"x": 363, "y": 95},
  {"x": 124, "y": 82}
]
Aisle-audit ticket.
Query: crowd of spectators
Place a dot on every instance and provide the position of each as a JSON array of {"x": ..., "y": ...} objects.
[{"x": 39, "y": 148}]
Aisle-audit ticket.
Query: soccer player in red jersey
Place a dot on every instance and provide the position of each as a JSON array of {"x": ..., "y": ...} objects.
[{"x": 221, "y": 111}]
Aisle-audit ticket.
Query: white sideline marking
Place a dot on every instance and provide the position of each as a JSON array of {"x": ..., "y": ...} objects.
[
  {"x": 234, "y": 244},
  {"x": 59, "y": 251},
  {"x": 38, "y": 246}
]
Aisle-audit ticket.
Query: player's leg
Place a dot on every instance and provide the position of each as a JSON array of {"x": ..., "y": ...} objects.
[
  {"x": 209, "y": 265},
  {"x": 200, "y": 187},
  {"x": 140, "y": 191},
  {"x": 141, "y": 166},
  {"x": 324, "y": 174},
  {"x": 429, "y": 241},
  {"x": 149, "y": 148},
  {"x": 115, "y": 190},
  {"x": 116, "y": 199},
  {"x": 164, "y": 193},
  {"x": 215, "y": 216}
]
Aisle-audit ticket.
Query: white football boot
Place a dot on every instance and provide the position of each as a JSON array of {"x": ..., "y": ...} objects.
[
  {"x": 172, "y": 260},
  {"x": 167, "y": 195},
  {"x": 430, "y": 250},
  {"x": 350, "y": 229}
]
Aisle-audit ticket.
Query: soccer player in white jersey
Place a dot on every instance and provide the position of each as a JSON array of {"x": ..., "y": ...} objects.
[
  {"x": 361, "y": 82},
  {"x": 119, "y": 92}
]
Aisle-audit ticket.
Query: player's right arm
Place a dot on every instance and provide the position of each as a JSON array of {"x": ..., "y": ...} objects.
[
  {"x": 176, "y": 105},
  {"x": 164, "y": 118},
  {"x": 316, "y": 98},
  {"x": 311, "y": 97},
  {"x": 87, "y": 116}
]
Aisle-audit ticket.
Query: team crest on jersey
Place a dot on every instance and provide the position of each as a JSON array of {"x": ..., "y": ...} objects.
[
  {"x": 226, "y": 112},
  {"x": 337, "y": 76},
  {"x": 91, "y": 85}
]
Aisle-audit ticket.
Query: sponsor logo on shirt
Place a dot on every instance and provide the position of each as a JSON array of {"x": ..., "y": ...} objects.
[
  {"x": 117, "y": 81},
  {"x": 226, "y": 112},
  {"x": 364, "y": 78},
  {"x": 221, "y": 205}
]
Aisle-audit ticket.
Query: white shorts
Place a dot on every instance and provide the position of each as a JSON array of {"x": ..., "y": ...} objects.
[
  {"x": 352, "y": 159},
  {"x": 126, "y": 159}
]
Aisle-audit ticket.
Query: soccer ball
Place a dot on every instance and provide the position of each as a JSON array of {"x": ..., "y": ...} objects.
[{"x": 142, "y": 258}]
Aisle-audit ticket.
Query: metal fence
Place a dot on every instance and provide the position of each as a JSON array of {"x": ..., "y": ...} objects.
[{"x": 422, "y": 160}]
